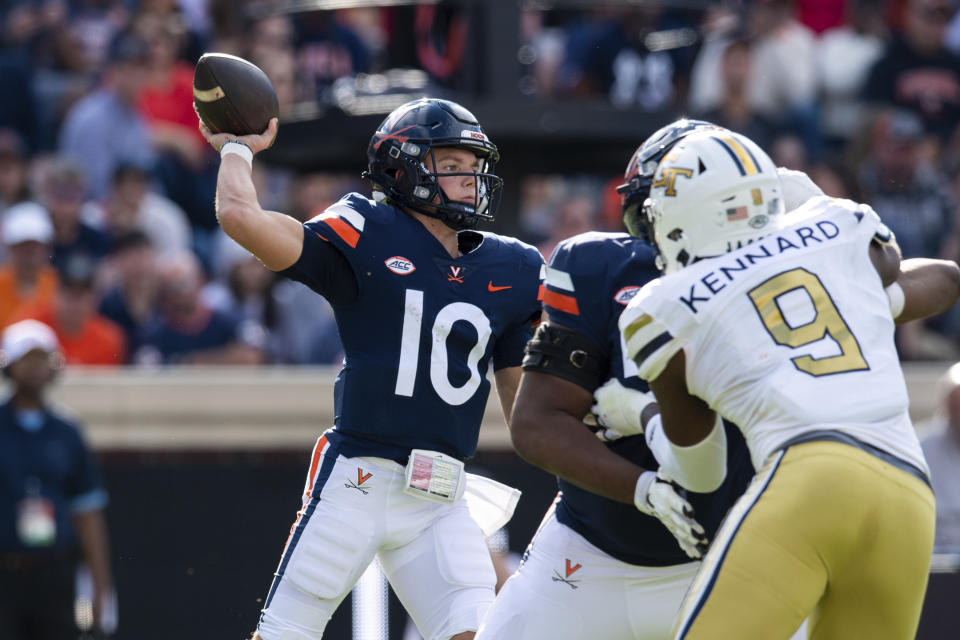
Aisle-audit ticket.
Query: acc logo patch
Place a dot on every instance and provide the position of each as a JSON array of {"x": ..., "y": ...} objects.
[
  {"x": 400, "y": 265},
  {"x": 625, "y": 295}
]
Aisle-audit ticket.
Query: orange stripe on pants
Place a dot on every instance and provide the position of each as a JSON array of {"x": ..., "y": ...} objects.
[{"x": 308, "y": 488}]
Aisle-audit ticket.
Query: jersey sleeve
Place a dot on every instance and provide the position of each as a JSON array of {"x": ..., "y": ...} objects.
[
  {"x": 328, "y": 262},
  {"x": 323, "y": 268},
  {"x": 856, "y": 215},
  {"x": 797, "y": 188},
  {"x": 342, "y": 223},
  {"x": 508, "y": 351},
  {"x": 84, "y": 486},
  {"x": 650, "y": 344},
  {"x": 575, "y": 290},
  {"x": 882, "y": 234}
]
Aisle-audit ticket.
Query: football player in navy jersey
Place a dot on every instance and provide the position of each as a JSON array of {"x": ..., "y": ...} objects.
[
  {"x": 616, "y": 552},
  {"x": 424, "y": 304}
]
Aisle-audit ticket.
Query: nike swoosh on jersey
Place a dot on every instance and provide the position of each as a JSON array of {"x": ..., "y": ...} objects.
[{"x": 491, "y": 287}]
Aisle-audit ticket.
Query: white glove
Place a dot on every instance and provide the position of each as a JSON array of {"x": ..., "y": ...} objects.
[
  {"x": 658, "y": 496},
  {"x": 618, "y": 409}
]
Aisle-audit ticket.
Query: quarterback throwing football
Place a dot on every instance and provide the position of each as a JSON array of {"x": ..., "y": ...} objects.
[{"x": 424, "y": 306}]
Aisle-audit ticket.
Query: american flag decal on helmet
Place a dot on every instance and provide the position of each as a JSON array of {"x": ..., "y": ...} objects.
[{"x": 738, "y": 213}]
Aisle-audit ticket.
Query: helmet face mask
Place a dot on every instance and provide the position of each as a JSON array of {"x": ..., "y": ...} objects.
[
  {"x": 715, "y": 192},
  {"x": 402, "y": 162}
]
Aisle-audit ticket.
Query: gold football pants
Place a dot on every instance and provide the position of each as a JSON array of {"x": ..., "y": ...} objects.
[{"x": 825, "y": 530}]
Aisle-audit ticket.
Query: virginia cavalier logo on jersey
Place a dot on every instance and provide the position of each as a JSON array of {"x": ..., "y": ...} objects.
[
  {"x": 400, "y": 265},
  {"x": 625, "y": 295},
  {"x": 568, "y": 571}
]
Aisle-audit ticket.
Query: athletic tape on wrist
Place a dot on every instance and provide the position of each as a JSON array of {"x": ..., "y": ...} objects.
[{"x": 237, "y": 148}]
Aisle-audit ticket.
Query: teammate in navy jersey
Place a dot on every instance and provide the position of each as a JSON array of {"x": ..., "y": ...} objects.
[
  {"x": 600, "y": 567},
  {"x": 606, "y": 561},
  {"x": 609, "y": 560},
  {"x": 424, "y": 305},
  {"x": 613, "y": 558}
]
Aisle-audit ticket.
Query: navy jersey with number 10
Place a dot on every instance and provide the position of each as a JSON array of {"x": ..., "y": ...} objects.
[
  {"x": 421, "y": 331},
  {"x": 590, "y": 280}
]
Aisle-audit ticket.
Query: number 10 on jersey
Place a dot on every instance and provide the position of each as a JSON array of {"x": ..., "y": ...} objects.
[{"x": 439, "y": 356}]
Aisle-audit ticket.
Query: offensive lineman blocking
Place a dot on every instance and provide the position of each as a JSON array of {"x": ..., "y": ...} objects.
[
  {"x": 423, "y": 305},
  {"x": 605, "y": 564},
  {"x": 781, "y": 324},
  {"x": 599, "y": 567}
]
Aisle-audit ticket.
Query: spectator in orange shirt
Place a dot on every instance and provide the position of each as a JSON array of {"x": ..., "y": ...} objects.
[
  {"x": 85, "y": 336},
  {"x": 27, "y": 277}
]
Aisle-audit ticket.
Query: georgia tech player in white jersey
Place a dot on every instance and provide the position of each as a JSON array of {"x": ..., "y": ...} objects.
[{"x": 781, "y": 325}]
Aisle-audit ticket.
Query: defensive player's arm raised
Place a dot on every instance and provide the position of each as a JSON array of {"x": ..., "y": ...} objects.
[
  {"x": 917, "y": 288},
  {"x": 274, "y": 238},
  {"x": 928, "y": 286}
]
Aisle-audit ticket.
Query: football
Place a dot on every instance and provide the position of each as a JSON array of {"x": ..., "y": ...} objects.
[{"x": 233, "y": 95}]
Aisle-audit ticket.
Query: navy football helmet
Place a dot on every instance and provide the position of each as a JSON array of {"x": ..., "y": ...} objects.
[
  {"x": 399, "y": 167},
  {"x": 643, "y": 164}
]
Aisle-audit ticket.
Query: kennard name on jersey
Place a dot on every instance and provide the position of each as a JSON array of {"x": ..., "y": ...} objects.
[
  {"x": 715, "y": 280},
  {"x": 817, "y": 363}
]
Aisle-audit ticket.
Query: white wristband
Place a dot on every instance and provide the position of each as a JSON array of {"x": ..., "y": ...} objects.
[
  {"x": 238, "y": 148},
  {"x": 642, "y": 489},
  {"x": 897, "y": 299},
  {"x": 701, "y": 467}
]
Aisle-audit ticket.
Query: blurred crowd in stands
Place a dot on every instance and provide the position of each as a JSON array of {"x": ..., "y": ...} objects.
[{"x": 107, "y": 230}]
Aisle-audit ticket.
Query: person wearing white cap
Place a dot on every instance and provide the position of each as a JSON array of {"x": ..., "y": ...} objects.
[
  {"x": 27, "y": 275},
  {"x": 51, "y": 506},
  {"x": 26, "y": 336}
]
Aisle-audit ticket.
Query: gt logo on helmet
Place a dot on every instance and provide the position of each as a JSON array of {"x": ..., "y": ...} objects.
[{"x": 668, "y": 178}]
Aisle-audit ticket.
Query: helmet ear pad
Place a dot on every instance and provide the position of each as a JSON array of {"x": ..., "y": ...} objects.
[{"x": 415, "y": 180}]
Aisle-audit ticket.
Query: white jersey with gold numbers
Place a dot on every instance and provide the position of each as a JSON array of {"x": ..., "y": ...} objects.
[{"x": 785, "y": 336}]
